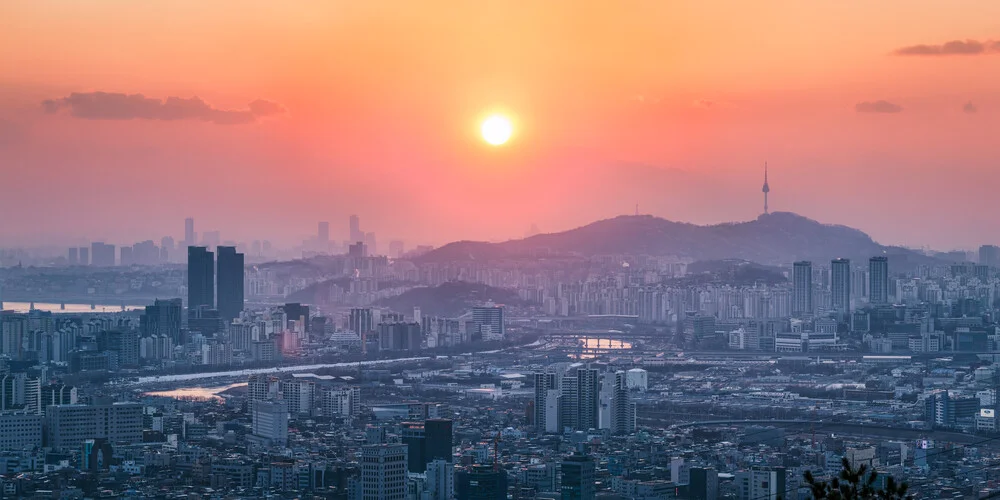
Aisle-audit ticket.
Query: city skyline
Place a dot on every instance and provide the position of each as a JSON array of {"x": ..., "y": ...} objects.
[{"x": 666, "y": 107}]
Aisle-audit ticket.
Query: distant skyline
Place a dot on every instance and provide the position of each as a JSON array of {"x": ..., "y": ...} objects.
[{"x": 259, "y": 119}]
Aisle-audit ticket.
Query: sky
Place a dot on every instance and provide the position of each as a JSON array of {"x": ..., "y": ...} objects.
[{"x": 118, "y": 118}]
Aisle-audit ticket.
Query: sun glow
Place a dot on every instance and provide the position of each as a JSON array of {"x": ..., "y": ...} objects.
[{"x": 497, "y": 130}]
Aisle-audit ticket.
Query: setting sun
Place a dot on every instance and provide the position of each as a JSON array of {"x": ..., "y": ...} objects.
[{"x": 497, "y": 129}]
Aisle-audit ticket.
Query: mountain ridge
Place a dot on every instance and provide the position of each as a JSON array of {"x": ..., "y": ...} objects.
[{"x": 777, "y": 238}]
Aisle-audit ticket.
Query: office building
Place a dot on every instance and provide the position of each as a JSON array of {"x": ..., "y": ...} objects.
[
  {"x": 802, "y": 290},
  {"x": 761, "y": 483},
  {"x": 439, "y": 439},
  {"x": 440, "y": 483},
  {"x": 68, "y": 426},
  {"x": 703, "y": 484},
  {"x": 578, "y": 478},
  {"x": 489, "y": 323},
  {"x": 989, "y": 255},
  {"x": 396, "y": 249},
  {"x": 270, "y": 422},
  {"x": 355, "y": 234},
  {"x": 57, "y": 394},
  {"x": 413, "y": 435},
  {"x": 201, "y": 278},
  {"x": 102, "y": 254},
  {"x": 73, "y": 258},
  {"x": 297, "y": 312},
  {"x": 399, "y": 336},
  {"x": 546, "y": 403},
  {"x": 323, "y": 235},
  {"x": 125, "y": 258},
  {"x": 162, "y": 318},
  {"x": 370, "y": 244},
  {"x": 230, "y": 283},
  {"x": 622, "y": 408},
  {"x": 190, "y": 237},
  {"x": 361, "y": 321},
  {"x": 481, "y": 482},
  {"x": 383, "y": 472},
  {"x": 84, "y": 256},
  {"x": 20, "y": 430},
  {"x": 840, "y": 287},
  {"x": 878, "y": 280}
]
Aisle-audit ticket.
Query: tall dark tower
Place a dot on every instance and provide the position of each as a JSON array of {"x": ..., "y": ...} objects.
[
  {"x": 766, "y": 189},
  {"x": 230, "y": 283},
  {"x": 201, "y": 278}
]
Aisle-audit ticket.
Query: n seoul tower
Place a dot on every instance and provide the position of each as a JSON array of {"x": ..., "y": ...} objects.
[{"x": 766, "y": 189}]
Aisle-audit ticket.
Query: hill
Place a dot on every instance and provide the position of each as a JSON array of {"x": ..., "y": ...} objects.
[
  {"x": 773, "y": 239},
  {"x": 450, "y": 299}
]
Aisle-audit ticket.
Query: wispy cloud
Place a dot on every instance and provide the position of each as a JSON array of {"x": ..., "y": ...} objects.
[
  {"x": 877, "y": 107},
  {"x": 118, "y": 106},
  {"x": 952, "y": 48},
  {"x": 970, "y": 108}
]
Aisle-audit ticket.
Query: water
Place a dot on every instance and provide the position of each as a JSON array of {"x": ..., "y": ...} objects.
[
  {"x": 23, "y": 307},
  {"x": 255, "y": 371},
  {"x": 199, "y": 393}
]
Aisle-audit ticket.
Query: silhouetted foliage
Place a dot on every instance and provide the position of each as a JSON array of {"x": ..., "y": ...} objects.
[{"x": 856, "y": 484}]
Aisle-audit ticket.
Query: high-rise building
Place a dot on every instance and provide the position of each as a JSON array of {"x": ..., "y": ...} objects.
[
  {"x": 190, "y": 238},
  {"x": 20, "y": 430},
  {"x": 73, "y": 258},
  {"x": 297, "y": 312},
  {"x": 414, "y": 436},
  {"x": 399, "y": 336},
  {"x": 126, "y": 257},
  {"x": 622, "y": 408},
  {"x": 878, "y": 280},
  {"x": 162, "y": 318},
  {"x": 102, "y": 254},
  {"x": 201, "y": 278},
  {"x": 396, "y": 249},
  {"x": 802, "y": 303},
  {"x": 230, "y": 283},
  {"x": 270, "y": 422},
  {"x": 360, "y": 321},
  {"x": 578, "y": 478},
  {"x": 439, "y": 439},
  {"x": 760, "y": 483},
  {"x": 70, "y": 425},
  {"x": 84, "y": 256},
  {"x": 371, "y": 243},
  {"x": 383, "y": 472},
  {"x": 989, "y": 255},
  {"x": 57, "y": 394},
  {"x": 481, "y": 482},
  {"x": 323, "y": 234},
  {"x": 356, "y": 235},
  {"x": 580, "y": 402},
  {"x": 547, "y": 402},
  {"x": 489, "y": 323},
  {"x": 703, "y": 484},
  {"x": 440, "y": 483},
  {"x": 840, "y": 287}
]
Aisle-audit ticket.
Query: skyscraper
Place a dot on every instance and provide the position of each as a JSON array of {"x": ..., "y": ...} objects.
[
  {"x": 162, "y": 318},
  {"x": 230, "y": 279},
  {"x": 840, "y": 286},
  {"x": 489, "y": 322},
  {"x": 383, "y": 472},
  {"x": 189, "y": 237},
  {"x": 439, "y": 439},
  {"x": 355, "y": 230},
  {"x": 414, "y": 436},
  {"x": 323, "y": 234},
  {"x": 547, "y": 398},
  {"x": 84, "y": 256},
  {"x": 989, "y": 255},
  {"x": 102, "y": 254},
  {"x": 74, "y": 256},
  {"x": 878, "y": 280},
  {"x": 578, "y": 478},
  {"x": 802, "y": 303},
  {"x": 201, "y": 278}
]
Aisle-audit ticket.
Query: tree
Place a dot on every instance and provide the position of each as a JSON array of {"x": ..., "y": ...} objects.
[{"x": 856, "y": 484}]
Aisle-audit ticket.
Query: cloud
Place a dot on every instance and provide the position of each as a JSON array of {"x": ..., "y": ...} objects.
[
  {"x": 704, "y": 103},
  {"x": 877, "y": 107},
  {"x": 952, "y": 48},
  {"x": 117, "y": 106},
  {"x": 970, "y": 108}
]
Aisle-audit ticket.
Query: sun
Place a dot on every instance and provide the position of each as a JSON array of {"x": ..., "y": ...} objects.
[{"x": 497, "y": 130}]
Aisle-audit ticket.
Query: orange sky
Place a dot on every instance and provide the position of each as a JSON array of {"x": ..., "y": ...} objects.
[{"x": 672, "y": 105}]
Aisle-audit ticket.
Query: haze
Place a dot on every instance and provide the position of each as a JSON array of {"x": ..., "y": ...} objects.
[{"x": 315, "y": 110}]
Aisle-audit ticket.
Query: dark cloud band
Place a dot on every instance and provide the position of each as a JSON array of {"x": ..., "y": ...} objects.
[
  {"x": 117, "y": 106},
  {"x": 877, "y": 107},
  {"x": 952, "y": 48}
]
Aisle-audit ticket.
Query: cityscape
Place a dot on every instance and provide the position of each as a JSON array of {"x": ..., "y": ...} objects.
[{"x": 498, "y": 251}]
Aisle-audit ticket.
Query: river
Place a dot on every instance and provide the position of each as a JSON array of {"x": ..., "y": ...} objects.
[{"x": 23, "y": 307}]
